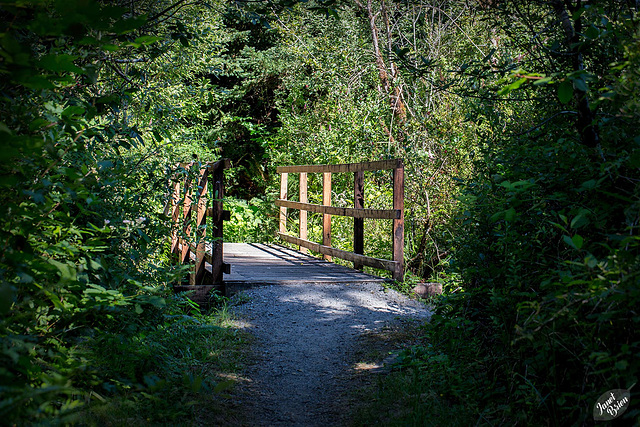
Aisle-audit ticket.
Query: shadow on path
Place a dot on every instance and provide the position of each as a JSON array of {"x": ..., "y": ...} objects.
[{"x": 305, "y": 336}]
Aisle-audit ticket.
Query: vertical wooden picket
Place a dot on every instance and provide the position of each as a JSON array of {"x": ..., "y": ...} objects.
[
  {"x": 198, "y": 274},
  {"x": 398, "y": 224},
  {"x": 217, "y": 218},
  {"x": 186, "y": 217},
  {"x": 326, "y": 218},
  {"x": 303, "y": 213},
  {"x": 283, "y": 195},
  {"x": 358, "y": 223}
]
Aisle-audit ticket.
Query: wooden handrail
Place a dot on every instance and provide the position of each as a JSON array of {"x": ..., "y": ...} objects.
[
  {"x": 334, "y": 210},
  {"x": 382, "y": 264},
  {"x": 208, "y": 174},
  {"x": 377, "y": 165},
  {"x": 358, "y": 212}
]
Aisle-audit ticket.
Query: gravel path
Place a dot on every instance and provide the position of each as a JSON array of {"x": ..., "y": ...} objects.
[{"x": 305, "y": 337}]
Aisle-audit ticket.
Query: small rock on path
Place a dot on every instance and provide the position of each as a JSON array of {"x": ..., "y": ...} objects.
[{"x": 305, "y": 335}]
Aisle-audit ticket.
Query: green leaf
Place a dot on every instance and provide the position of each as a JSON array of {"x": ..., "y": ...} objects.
[
  {"x": 58, "y": 63},
  {"x": 55, "y": 300},
  {"x": 36, "y": 82},
  {"x": 111, "y": 47},
  {"x": 156, "y": 301},
  {"x": 543, "y": 81},
  {"x": 575, "y": 242},
  {"x": 580, "y": 220},
  {"x": 513, "y": 86},
  {"x": 578, "y": 13},
  {"x": 497, "y": 216},
  {"x": 565, "y": 91},
  {"x": 127, "y": 25},
  {"x": 590, "y": 261},
  {"x": 196, "y": 385},
  {"x": 568, "y": 241},
  {"x": 72, "y": 110},
  {"x": 67, "y": 272},
  {"x": 4, "y": 128},
  {"x": 622, "y": 365},
  {"x": 589, "y": 185},
  {"x": 37, "y": 124},
  {"x": 580, "y": 84},
  {"x": 147, "y": 40},
  {"x": 592, "y": 32},
  {"x": 7, "y": 295},
  {"x": 510, "y": 214}
]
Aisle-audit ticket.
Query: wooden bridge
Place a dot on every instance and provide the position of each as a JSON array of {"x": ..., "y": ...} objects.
[{"x": 231, "y": 266}]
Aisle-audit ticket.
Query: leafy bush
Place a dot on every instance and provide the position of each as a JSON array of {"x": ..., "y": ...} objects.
[
  {"x": 252, "y": 221},
  {"x": 547, "y": 246},
  {"x": 83, "y": 173}
]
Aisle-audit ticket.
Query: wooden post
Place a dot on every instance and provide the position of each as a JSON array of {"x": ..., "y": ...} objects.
[
  {"x": 358, "y": 223},
  {"x": 198, "y": 275},
  {"x": 303, "y": 213},
  {"x": 326, "y": 218},
  {"x": 186, "y": 211},
  {"x": 398, "y": 224},
  {"x": 283, "y": 195},
  {"x": 217, "y": 218}
]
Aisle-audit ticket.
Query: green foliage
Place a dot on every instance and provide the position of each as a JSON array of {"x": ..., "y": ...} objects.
[
  {"x": 333, "y": 110},
  {"x": 547, "y": 243},
  {"x": 252, "y": 222},
  {"x": 83, "y": 176},
  {"x": 166, "y": 371}
]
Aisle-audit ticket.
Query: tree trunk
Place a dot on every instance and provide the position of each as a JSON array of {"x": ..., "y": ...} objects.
[
  {"x": 585, "y": 123},
  {"x": 387, "y": 79}
]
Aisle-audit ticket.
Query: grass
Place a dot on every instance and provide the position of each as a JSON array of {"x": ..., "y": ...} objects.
[
  {"x": 181, "y": 372},
  {"x": 399, "y": 395}
]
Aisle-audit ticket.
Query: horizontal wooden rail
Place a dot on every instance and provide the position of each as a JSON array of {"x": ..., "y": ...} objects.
[
  {"x": 343, "y": 168},
  {"x": 334, "y": 210},
  {"x": 208, "y": 257},
  {"x": 210, "y": 166},
  {"x": 382, "y": 264}
]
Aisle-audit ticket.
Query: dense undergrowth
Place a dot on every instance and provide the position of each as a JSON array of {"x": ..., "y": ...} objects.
[
  {"x": 517, "y": 122},
  {"x": 93, "y": 118}
]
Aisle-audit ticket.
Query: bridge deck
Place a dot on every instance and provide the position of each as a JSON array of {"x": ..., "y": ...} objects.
[{"x": 254, "y": 263}]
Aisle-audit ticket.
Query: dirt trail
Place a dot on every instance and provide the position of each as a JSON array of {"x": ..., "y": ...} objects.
[{"x": 305, "y": 340}]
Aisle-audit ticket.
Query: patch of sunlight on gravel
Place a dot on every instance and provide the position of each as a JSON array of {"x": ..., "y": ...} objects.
[{"x": 305, "y": 338}]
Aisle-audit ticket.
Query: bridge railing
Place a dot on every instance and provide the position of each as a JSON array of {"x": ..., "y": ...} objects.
[
  {"x": 358, "y": 212},
  {"x": 190, "y": 189}
]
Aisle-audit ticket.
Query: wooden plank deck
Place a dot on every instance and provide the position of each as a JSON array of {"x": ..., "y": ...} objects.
[{"x": 256, "y": 264}]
